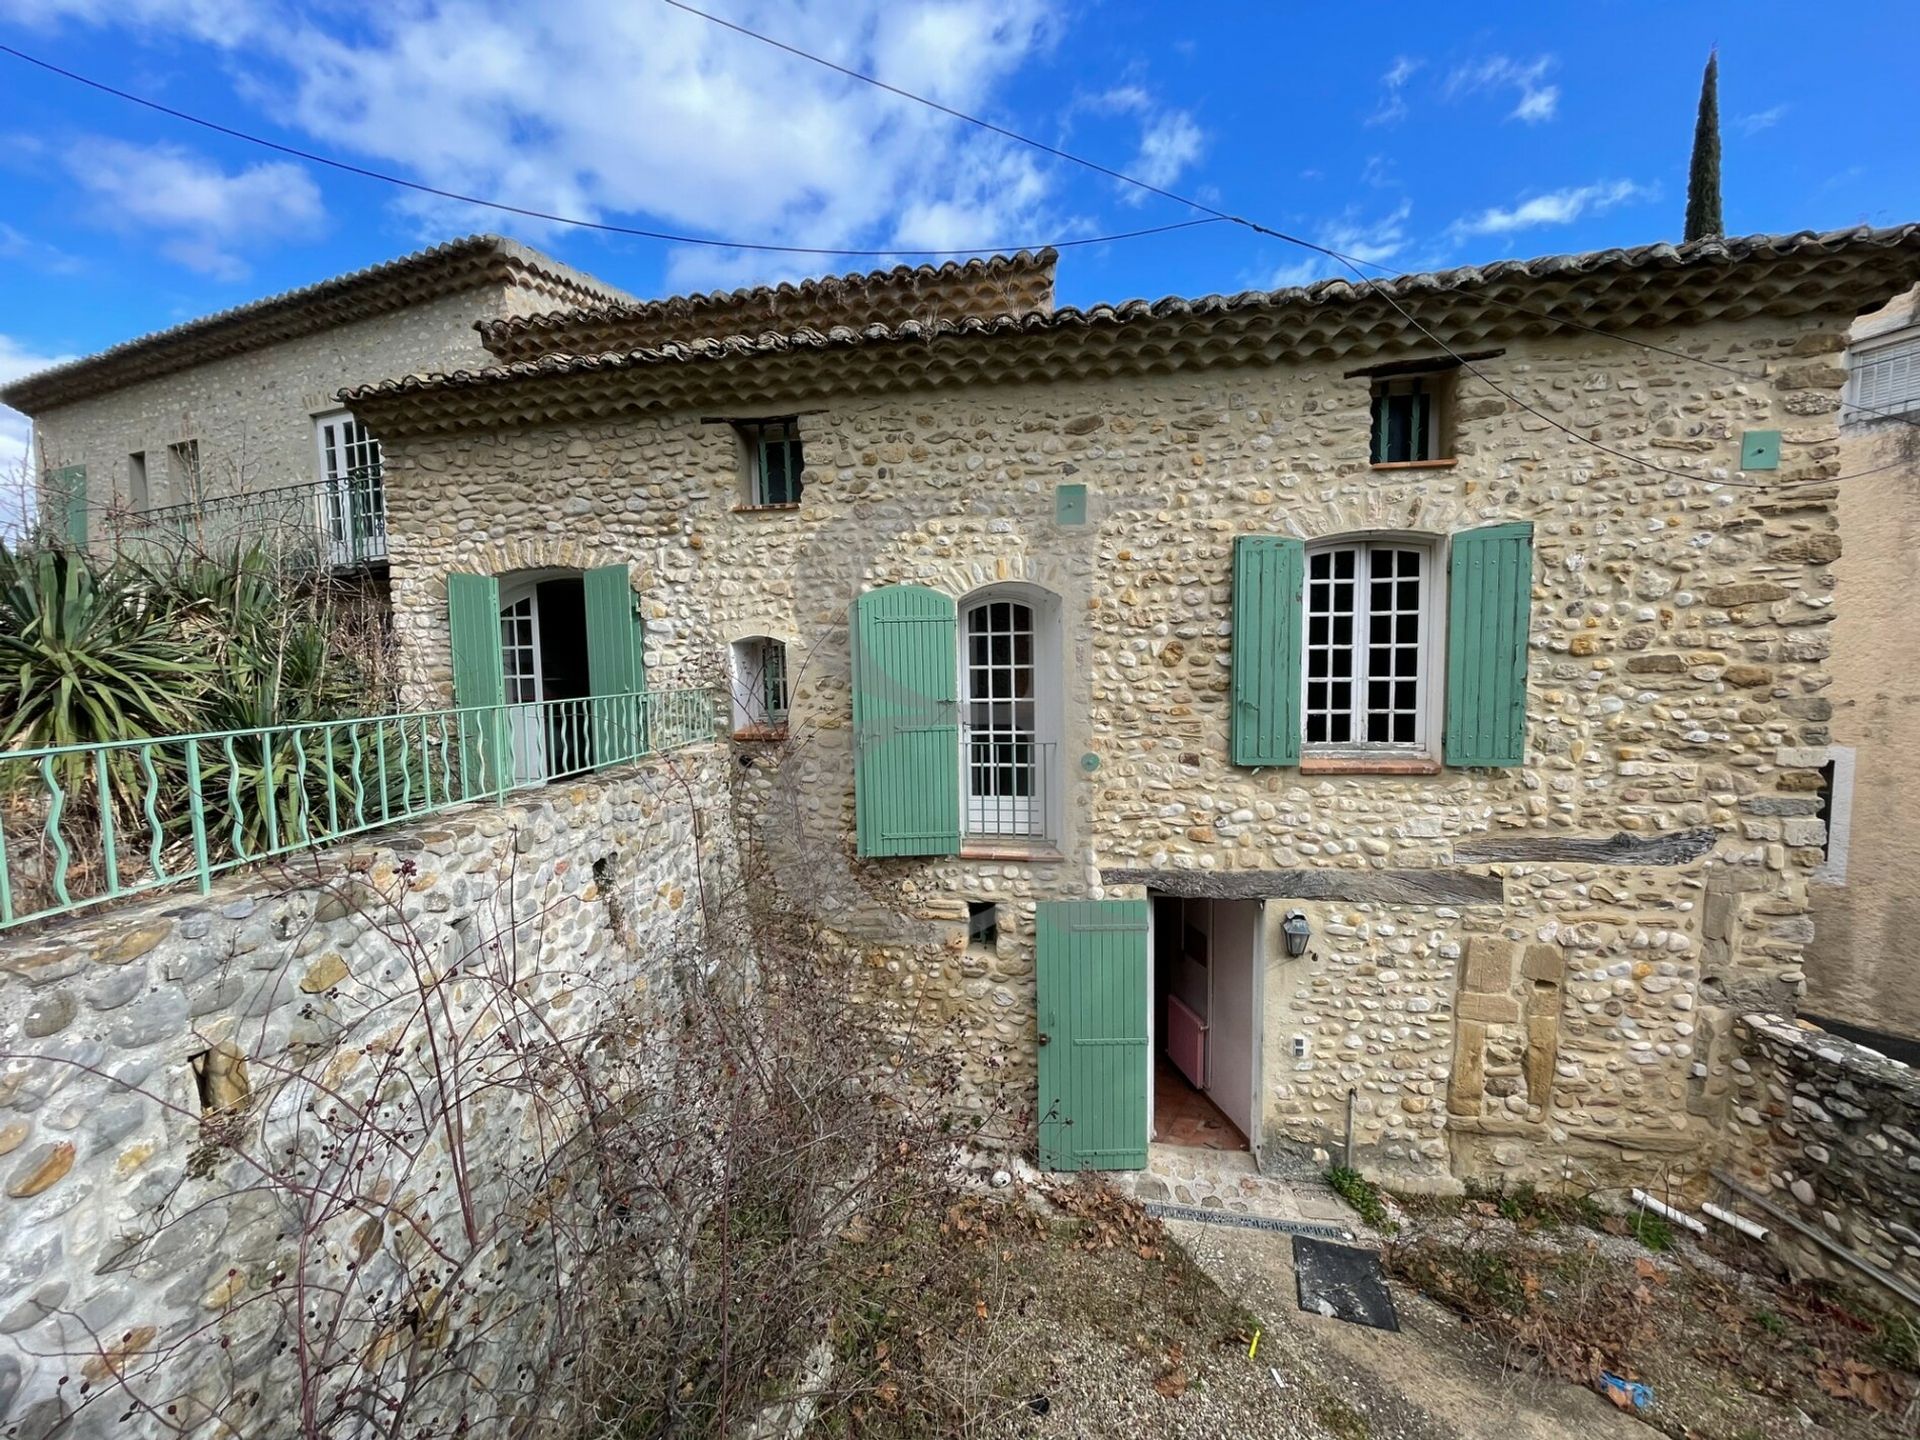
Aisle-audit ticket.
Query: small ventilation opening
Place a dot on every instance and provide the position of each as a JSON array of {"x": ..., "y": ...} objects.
[
  {"x": 983, "y": 925},
  {"x": 220, "y": 1078}
]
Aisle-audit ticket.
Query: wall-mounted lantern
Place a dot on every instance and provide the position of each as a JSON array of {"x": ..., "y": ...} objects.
[{"x": 1295, "y": 927}]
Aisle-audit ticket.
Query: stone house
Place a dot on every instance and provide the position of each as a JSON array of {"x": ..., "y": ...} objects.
[
  {"x": 1399, "y": 707},
  {"x": 1866, "y": 897},
  {"x": 230, "y": 426}
]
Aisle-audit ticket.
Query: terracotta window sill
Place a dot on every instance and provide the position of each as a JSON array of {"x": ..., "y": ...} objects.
[
  {"x": 1412, "y": 464},
  {"x": 1005, "y": 850},
  {"x": 765, "y": 509},
  {"x": 1369, "y": 765},
  {"x": 761, "y": 734}
]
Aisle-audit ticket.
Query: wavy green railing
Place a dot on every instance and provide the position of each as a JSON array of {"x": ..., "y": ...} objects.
[{"x": 84, "y": 824}]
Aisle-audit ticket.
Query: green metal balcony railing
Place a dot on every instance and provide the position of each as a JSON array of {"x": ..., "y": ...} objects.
[
  {"x": 84, "y": 824},
  {"x": 341, "y": 524}
]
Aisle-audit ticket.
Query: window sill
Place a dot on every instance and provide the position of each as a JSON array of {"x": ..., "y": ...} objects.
[
  {"x": 760, "y": 734},
  {"x": 1412, "y": 464},
  {"x": 1369, "y": 765},
  {"x": 987, "y": 848},
  {"x": 766, "y": 509}
]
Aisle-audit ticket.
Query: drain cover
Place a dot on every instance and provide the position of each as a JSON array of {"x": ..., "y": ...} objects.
[{"x": 1343, "y": 1282}]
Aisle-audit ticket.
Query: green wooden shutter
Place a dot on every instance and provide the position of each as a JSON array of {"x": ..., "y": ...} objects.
[
  {"x": 1269, "y": 572},
  {"x": 616, "y": 664},
  {"x": 479, "y": 680},
  {"x": 1092, "y": 980},
  {"x": 67, "y": 498},
  {"x": 906, "y": 732},
  {"x": 1489, "y": 595}
]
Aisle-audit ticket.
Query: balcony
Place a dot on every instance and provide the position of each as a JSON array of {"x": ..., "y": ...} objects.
[{"x": 337, "y": 525}]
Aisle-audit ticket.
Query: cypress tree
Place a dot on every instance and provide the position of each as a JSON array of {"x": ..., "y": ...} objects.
[{"x": 1703, "y": 177}]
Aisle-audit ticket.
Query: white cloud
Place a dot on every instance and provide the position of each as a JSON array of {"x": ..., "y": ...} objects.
[
  {"x": 201, "y": 215},
  {"x": 1751, "y": 125},
  {"x": 1537, "y": 100},
  {"x": 605, "y": 108},
  {"x": 1556, "y": 207},
  {"x": 1170, "y": 139},
  {"x": 16, "y": 489},
  {"x": 1372, "y": 242},
  {"x": 1393, "y": 84}
]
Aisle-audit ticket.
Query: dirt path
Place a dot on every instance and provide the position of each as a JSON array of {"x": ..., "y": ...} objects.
[{"x": 1431, "y": 1381}]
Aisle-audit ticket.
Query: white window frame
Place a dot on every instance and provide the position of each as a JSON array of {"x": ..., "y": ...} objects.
[
  {"x": 1884, "y": 374},
  {"x": 753, "y": 660},
  {"x": 336, "y": 435},
  {"x": 1429, "y": 684},
  {"x": 1037, "y": 816}
]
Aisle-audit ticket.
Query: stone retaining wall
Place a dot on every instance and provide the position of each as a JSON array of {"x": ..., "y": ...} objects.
[
  {"x": 310, "y": 1120},
  {"x": 1829, "y": 1131}
]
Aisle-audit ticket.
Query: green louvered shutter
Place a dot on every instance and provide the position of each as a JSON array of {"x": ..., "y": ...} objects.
[
  {"x": 1489, "y": 595},
  {"x": 1268, "y": 574},
  {"x": 906, "y": 731},
  {"x": 67, "y": 496},
  {"x": 1092, "y": 978},
  {"x": 616, "y": 664},
  {"x": 479, "y": 680}
]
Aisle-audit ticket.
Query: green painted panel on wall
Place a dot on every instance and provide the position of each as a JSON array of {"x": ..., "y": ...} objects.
[
  {"x": 1092, "y": 980},
  {"x": 1268, "y": 574},
  {"x": 1489, "y": 601},
  {"x": 906, "y": 722},
  {"x": 1070, "y": 504},
  {"x": 616, "y": 660},
  {"x": 1760, "y": 450}
]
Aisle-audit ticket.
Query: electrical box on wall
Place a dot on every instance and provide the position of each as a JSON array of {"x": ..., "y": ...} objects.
[
  {"x": 1760, "y": 450},
  {"x": 1070, "y": 504},
  {"x": 1301, "y": 1047}
]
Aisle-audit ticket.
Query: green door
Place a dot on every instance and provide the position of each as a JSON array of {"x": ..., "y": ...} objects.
[{"x": 1093, "y": 976}]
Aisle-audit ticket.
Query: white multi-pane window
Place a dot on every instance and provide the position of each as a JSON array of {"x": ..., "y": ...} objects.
[
  {"x": 759, "y": 684},
  {"x": 1368, "y": 645},
  {"x": 1002, "y": 755},
  {"x": 353, "y": 491},
  {"x": 1883, "y": 378}
]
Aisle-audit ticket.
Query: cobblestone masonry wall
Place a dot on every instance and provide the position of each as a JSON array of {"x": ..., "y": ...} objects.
[
  {"x": 137, "y": 1246},
  {"x": 1676, "y": 677},
  {"x": 1829, "y": 1131}
]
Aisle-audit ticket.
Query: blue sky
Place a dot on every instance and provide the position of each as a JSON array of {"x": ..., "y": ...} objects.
[{"x": 1391, "y": 132}]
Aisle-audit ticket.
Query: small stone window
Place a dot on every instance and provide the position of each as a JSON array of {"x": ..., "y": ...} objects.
[
  {"x": 983, "y": 925},
  {"x": 774, "y": 462},
  {"x": 183, "y": 471},
  {"x": 1412, "y": 419},
  {"x": 759, "y": 688}
]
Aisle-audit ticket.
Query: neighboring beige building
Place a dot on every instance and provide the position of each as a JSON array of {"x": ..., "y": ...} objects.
[
  {"x": 230, "y": 426},
  {"x": 1156, "y": 632},
  {"x": 1867, "y": 895}
]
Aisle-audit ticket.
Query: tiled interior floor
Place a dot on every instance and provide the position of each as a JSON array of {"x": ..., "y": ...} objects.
[{"x": 1184, "y": 1116}]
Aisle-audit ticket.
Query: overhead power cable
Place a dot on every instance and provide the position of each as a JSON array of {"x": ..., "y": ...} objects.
[
  {"x": 1215, "y": 213},
  {"x": 346, "y": 167}
]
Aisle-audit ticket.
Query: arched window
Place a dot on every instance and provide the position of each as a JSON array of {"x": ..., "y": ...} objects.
[{"x": 1010, "y": 713}]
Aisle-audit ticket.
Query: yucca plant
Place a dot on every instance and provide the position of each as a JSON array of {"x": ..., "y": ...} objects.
[{"x": 84, "y": 656}]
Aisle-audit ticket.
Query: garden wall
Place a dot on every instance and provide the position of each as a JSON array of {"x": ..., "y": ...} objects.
[
  {"x": 1829, "y": 1132},
  {"x": 294, "y": 1154}
]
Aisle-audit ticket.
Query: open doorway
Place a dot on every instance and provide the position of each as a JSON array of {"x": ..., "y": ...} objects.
[
  {"x": 1206, "y": 1022},
  {"x": 543, "y": 653}
]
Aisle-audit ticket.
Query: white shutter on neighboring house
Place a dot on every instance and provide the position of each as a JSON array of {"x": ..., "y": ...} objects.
[{"x": 1884, "y": 379}]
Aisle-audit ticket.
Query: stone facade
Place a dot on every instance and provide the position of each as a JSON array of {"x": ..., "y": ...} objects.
[
  {"x": 159, "y": 1225},
  {"x": 1866, "y": 899},
  {"x": 246, "y": 386},
  {"x": 1549, "y": 1024},
  {"x": 1828, "y": 1132}
]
